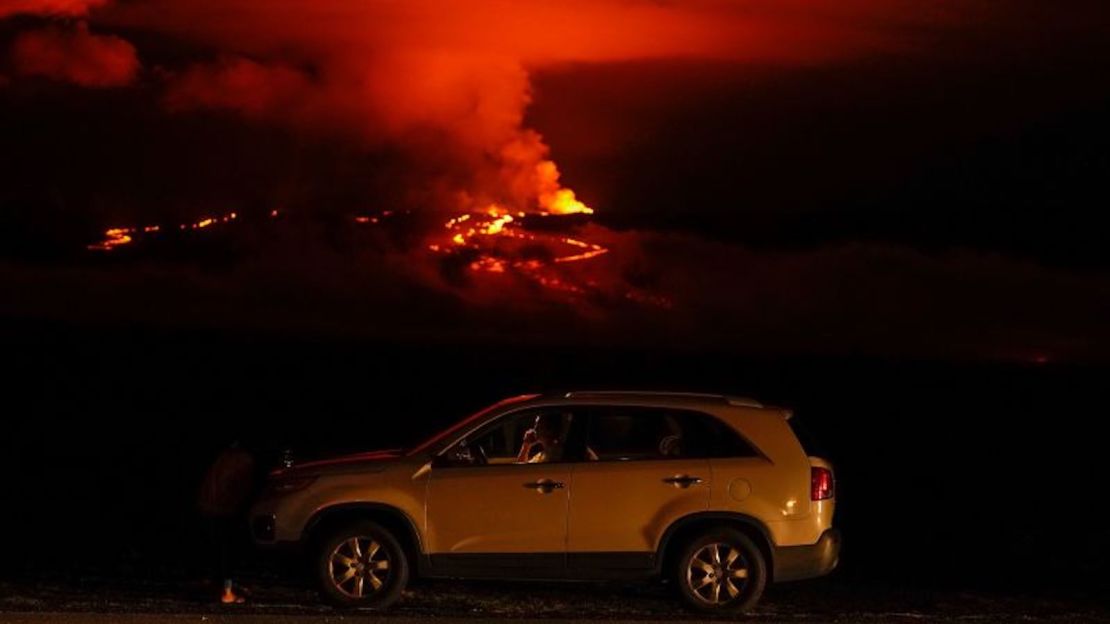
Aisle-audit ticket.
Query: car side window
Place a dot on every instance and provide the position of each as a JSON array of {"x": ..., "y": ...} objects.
[
  {"x": 527, "y": 437},
  {"x": 710, "y": 437},
  {"x": 627, "y": 434},
  {"x": 647, "y": 433}
]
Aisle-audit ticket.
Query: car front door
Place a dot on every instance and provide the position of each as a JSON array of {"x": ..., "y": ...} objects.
[
  {"x": 643, "y": 469},
  {"x": 490, "y": 510}
]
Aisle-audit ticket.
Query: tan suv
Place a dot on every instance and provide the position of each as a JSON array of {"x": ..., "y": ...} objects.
[{"x": 712, "y": 493}]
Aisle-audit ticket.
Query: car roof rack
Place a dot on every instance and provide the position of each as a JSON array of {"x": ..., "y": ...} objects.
[{"x": 643, "y": 394}]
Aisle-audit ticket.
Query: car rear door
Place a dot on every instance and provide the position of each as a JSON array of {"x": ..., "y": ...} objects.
[{"x": 642, "y": 472}]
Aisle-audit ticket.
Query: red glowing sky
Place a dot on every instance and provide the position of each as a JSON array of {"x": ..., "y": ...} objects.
[
  {"x": 442, "y": 79},
  {"x": 783, "y": 124},
  {"x": 386, "y": 70}
]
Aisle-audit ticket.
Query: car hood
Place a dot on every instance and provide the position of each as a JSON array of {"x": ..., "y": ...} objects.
[{"x": 342, "y": 463}]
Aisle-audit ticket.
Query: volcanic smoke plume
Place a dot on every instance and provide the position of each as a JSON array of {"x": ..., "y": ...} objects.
[
  {"x": 257, "y": 158},
  {"x": 446, "y": 83},
  {"x": 444, "y": 80},
  {"x": 447, "y": 80}
]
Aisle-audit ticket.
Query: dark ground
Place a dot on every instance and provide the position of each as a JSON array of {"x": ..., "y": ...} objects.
[
  {"x": 820, "y": 601},
  {"x": 967, "y": 491}
]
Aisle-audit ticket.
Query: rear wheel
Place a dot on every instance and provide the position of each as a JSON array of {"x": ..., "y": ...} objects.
[
  {"x": 362, "y": 565},
  {"x": 722, "y": 571}
]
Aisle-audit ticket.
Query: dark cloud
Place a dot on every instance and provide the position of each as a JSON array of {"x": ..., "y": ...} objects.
[
  {"x": 255, "y": 90},
  {"x": 1007, "y": 157},
  {"x": 75, "y": 55},
  {"x": 53, "y": 8}
]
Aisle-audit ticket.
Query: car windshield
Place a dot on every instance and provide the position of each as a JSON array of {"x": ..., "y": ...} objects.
[{"x": 436, "y": 441}]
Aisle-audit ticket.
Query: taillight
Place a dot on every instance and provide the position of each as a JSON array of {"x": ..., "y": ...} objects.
[{"x": 821, "y": 484}]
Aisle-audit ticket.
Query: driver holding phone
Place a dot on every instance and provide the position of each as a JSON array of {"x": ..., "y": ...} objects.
[{"x": 543, "y": 442}]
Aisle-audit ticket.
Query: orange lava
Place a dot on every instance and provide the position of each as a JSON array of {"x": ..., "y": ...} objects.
[
  {"x": 498, "y": 238},
  {"x": 492, "y": 241},
  {"x": 116, "y": 237}
]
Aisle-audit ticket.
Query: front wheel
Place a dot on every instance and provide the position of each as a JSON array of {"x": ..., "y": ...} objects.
[
  {"x": 362, "y": 565},
  {"x": 722, "y": 571}
]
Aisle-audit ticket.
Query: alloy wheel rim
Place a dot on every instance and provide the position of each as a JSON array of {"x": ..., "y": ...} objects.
[
  {"x": 359, "y": 567},
  {"x": 717, "y": 573}
]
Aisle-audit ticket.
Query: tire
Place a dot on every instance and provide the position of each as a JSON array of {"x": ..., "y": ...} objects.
[
  {"x": 726, "y": 583},
  {"x": 350, "y": 568}
]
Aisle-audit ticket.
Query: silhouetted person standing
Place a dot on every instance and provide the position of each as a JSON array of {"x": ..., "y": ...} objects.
[{"x": 224, "y": 495}]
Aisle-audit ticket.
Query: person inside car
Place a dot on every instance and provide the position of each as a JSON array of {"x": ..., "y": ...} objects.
[{"x": 541, "y": 443}]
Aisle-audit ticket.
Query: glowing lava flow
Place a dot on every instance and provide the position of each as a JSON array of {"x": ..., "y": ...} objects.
[
  {"x": 493, "y": 240},
  {"x": 117, "y": 237},
  {"x": 501, "y": 244},
  {"x": 498, "y": 242},
  {"x": 373, "y": 219}
]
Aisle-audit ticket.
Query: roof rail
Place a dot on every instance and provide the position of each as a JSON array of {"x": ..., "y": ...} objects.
[{"x": 633, "y": 394}]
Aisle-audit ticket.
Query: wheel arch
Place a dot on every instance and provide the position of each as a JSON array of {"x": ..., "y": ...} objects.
[
  {"x": 390, "y": 518},
  {"x": 686, "y": 528}
]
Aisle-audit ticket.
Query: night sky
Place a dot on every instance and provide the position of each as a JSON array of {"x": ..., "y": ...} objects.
[{"x": 861, "y": 178}]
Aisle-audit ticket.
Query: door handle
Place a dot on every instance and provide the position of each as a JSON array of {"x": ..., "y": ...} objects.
[
  {"x": 682, "y": 481},
  {"x": 545, "y": 485}
]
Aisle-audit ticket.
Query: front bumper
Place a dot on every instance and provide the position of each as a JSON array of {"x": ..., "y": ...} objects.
[{"x": 794, "y": 563}]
